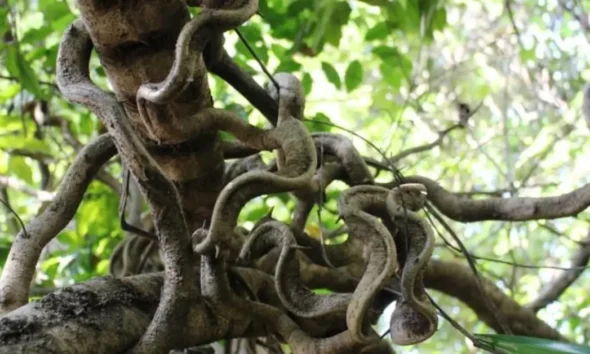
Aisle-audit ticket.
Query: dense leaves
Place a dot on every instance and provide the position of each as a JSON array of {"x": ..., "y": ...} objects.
[{"x": 522, "y": 345}]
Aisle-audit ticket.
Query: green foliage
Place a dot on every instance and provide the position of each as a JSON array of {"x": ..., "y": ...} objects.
[
  {"x": 331, "y": 74},
  {"x": 320, "y": 123},
  {"x": 504, "y": 344},
  {"x": 19, "y": 68},
  {"x": 353, "y": 76},
  {"x": 21, "y": 168}
]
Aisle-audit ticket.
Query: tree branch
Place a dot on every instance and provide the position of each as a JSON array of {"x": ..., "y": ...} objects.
[
  {"x": 458, "y": 281},
  {"x": 111, "y": 314},
  {"x": 553, "y": 290},
  {"x": 14, "y": 183},
  {"x": 418, "y": 149},
  {"x": 450, "y": 278},
  {"x": 509, "y": 209},
  {"x": 181, "y": 285},
  {"x": 24, "y": 253},
  {"x": 229, "y": 71}
]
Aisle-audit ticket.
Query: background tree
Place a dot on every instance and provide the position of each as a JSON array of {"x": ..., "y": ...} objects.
[{"x": 481, "y": 99}]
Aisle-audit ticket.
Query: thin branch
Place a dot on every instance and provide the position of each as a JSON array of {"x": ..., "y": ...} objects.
[
  {"x": 38, "y": 156},
  {"x": 553, "y": 290},
  {"x": 463, "y": 119},
  {"x": 426, "y": 147},
  {"x": 16, "y": 184},
  {"x": 554, "y": 231},
  {"x": 15, "y": 79},
  {"x": 25, "y": 251},
  {"x": 15, "y": 214},
  {"x": 458, "y": 281}
]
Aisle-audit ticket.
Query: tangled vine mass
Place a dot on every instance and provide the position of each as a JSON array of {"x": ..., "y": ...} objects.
[{"x": 220, "y": 280}]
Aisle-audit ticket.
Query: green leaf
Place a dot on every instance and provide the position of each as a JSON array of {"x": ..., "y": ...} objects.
[
  {"x": 379, "y": 31},
  {"x": 11, "y": 63},
  {"x": 306, "y": 82},
  {"x": 406, "y": 16},
  {"x": 252, "y": 33},
  {"x": 21, "y": 168},
  {"x": 320, "y": 123},
  {"x": 103, "y": 267},
  {"x": 259, "y": 49},
  {"x": 97, "y": 214},
  {"x": 353, "y": 76},
  {"x": 331, "y": 74},
  {"x": 380, "y": 3},
  {"x": 20, "y": 68},
  {"x": 4, "y": 14},
  {"x": 324, "y": 15},
  {"x": 54, "y": 10},
  {"x": 63, "y": 22},
  {"x": 9, "y": 91},
  {"x": 506, "y": 344},
  {"x": 50, "y": 266},
  {"x": 392, "y": 75},
  {"x": 395, "y": 66},
  {"x": 340, "y": 17},
  {"x": 299, "y": 6},
  {"x": 288, "y": 65},
  {"x": 286, "y": 28},
  {"x": 527, "y": 55},
  {"x": 14, "y": 142},
  {"x": 36, "y": 34},
  {"x": 439, "y": 20},
  {"x": 393, "y": 57},
  {"x": 322, "y": 291},
  {"x": 100, "y": 71},
  {"x": 278, "y": 50}
]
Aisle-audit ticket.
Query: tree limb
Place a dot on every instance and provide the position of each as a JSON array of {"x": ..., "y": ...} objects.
[
  {"x": 451, "y": 278},
  {"x": 418, "y": 149},
  {"x": 181, "y": 285},
  {"x": 14, "y": 183},
  {"x": 111, "y": 314},
  {"x": 24, "y": 253},
  {"x": 509, "y": 209},
  {"x": 553, "y": 290},
  {"x": 458, "y": 281}
]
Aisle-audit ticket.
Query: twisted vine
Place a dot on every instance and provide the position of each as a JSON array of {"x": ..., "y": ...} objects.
[
  {"x": 414, "y": 319},
  {"x": 300, "y": 160},
  {"x": 188, "y": 58},
  {"x": 296, "y": 298},
  {"x": 379, "y": 251},
  {"x": 75, "y": 84},
  {"x": 219, "y": 291},
  {"x": 296, "y": 160}
]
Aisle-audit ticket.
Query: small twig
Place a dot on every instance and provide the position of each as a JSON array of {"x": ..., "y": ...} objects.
[
  {"x": 453, "y": 323},
  {"x": 471, "y": 262},
  {"x": 441, "y": 135},
  {"x": 18, "y": 185},
  {"x": 425, "y": 147},
  {"x": 46, "y": 83},
  {"x": 262, "y": 66},
  {"x": 125, "y": 226},
  {"x": 553, "y": 290},
  {"x": 20, "y": 221}
]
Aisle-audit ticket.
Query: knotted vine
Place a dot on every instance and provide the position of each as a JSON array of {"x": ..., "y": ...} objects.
[{"x": 166, "y": 131}]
